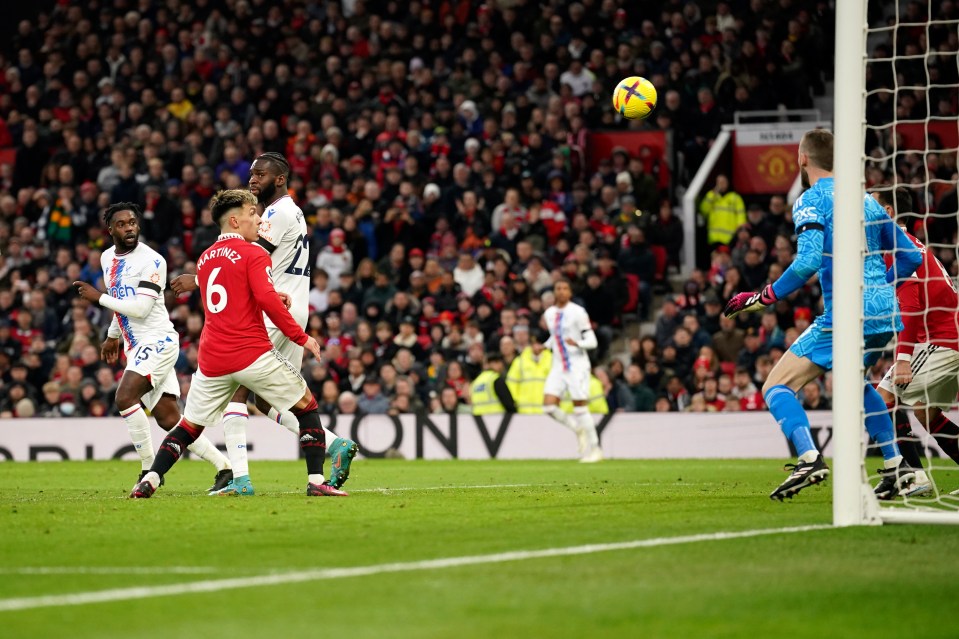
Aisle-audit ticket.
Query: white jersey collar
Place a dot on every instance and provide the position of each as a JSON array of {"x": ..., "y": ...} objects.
[{"x": 229, "y": 236}]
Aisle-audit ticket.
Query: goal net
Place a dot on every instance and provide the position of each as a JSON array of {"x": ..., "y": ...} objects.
[{"x": 897, "y": 136}]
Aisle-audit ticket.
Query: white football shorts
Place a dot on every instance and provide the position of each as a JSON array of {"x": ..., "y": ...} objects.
[
  {"x": 272, "y": 377},
  {"x": 935, "y": 377},
  {"x": 575, "y": 381},
  {"x": 156, "y": 362},
  {"x": 285, "y": 346}
]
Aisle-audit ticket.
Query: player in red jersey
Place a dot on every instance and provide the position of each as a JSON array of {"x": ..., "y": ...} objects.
[
  {"x": 236, "y": 286},
  {"x": 926, "y": 372}
]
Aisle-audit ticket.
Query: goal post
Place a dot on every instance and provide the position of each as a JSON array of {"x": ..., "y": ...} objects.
[
  {"x": 850, "y": 501},
  {"x": 853, "y": 500}
]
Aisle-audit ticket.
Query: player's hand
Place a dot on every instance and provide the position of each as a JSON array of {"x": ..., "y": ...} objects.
[
  {"x": 749, "y": 302},
  {"x": 287, "y": 300},
  {"x": 110, "y": 351},
  {"x": 183, "y": 284},
  {"x": 313, "y": 346},
  {"x": 571, "y": 341},
  {"x": 87, "y": 292},
  {"x": 902, "y": 372}
]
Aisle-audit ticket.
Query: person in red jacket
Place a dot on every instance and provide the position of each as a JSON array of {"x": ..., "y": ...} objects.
[{"x": 236, "y": 286}]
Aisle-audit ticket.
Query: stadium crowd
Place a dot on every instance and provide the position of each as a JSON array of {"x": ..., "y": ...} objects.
[{"x": 438, "y": 151}]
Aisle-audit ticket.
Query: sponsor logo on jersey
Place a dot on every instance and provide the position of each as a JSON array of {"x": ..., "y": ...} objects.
[{"x": 121, "y": 291}]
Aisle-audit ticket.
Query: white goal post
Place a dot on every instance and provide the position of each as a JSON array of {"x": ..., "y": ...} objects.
[{"x": 853, "y": 499}]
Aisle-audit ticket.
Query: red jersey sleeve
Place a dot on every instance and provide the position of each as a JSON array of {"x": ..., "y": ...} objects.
[
  {"x": 260, "y": 276},
  {"x": 912, "y": 314}
]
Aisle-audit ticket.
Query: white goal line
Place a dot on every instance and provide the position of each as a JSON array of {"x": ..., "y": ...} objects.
[{"x": 276, "y": 579}]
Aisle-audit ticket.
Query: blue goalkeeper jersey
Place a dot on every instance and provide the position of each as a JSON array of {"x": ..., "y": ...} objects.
[{"x": 813, "y": 214}]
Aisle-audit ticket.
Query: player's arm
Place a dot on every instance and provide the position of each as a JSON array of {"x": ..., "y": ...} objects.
[
  {"x": 503, "y": 395},
  {"x": 906, "y": 255},
  {"x": 139, "y": 306},
  {"x": 913, "y": 316},
  {"x": 587, "y": 338},
  {"x": 811, "y": 233}
]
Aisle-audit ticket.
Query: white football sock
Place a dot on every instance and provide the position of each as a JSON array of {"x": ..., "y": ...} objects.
[
  {"x": 234, "y": 434},
  {"x": 557, "y": 414},
  {"x": 205, "y": 450},
  {"x": 139, "y": 427},
  {"x": 585, "y": 421},
  {"x": 316, "y": 479},
  {"x": 288, "y": 420}
]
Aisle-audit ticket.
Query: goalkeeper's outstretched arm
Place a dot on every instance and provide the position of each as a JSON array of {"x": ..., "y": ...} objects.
[{"x": 807, "y": 261}]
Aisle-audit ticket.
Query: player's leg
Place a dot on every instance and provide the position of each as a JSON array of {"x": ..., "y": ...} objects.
[
  {"x": 944, "y": 430},
  {"x": 236, "y": 417},
  {"x": 552, "y": 391},
  {"x": 131, "y": 388},
  {"x": 936, "y": 381},
  {"x": 340, "y": 449},
  {"x": 578, "y": 386},
  {"x": 909, "y": 445},
  {"x": 167, "y": 413},
  {"x": 205, "y": 403},
  {"x": 273, "y": 378},
  {"x": 794, "y": 370}
]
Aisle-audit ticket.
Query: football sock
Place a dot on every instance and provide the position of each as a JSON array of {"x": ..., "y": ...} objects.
[
  {"x": 585, "y": 421},
  {"x": 172, "y": 447},
  {"x": 235, "y": 419},
  {"x": 288, "y": 420},
  {"x": 792, "y": 419},
  {"x": 312, "y": 441},
  {"x": 946, "y": 433},
  {"x": 554, "y": 411},
  {"x": 205, "y": 450},
  {"x": 139, "y": 428},
  {"x": 908, "y": 444},
  {"x": 879, "y": 425}
]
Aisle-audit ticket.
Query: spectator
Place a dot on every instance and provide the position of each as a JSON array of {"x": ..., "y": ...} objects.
[
  {"x": 724, "y": 211},
  {"x": 813, "y": 398},
  {"x": 744, "y": 392},
  {"x": 372, "y": 401},
  {"x": 644, "y": 399}
]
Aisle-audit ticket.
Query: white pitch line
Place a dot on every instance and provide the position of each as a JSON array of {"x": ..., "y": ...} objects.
[
  {"x": 219, "y": 585},
  {"x": 109, "y": 570}
]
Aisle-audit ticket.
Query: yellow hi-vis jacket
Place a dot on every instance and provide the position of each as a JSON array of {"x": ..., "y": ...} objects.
[
  {"x": 724, "y": 214},
  {"x": 597, "y": 399},
  {"x": 483, "y": 396},
  {"x": 527, "y": 378}
]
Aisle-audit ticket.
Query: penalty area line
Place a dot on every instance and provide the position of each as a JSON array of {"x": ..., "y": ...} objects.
[{"x": 276, "y": 579}]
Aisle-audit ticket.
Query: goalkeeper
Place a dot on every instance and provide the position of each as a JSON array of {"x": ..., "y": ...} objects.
[{"x": 811, "y": 355}]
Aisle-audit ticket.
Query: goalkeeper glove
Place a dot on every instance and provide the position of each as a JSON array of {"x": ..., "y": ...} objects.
[{"x": 748, "y": 302}]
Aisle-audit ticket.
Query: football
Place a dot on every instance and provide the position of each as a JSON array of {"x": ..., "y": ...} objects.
[{"x": 634, "y": 98}]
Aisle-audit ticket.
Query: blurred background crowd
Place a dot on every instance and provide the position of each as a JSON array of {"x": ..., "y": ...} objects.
[{"x": 439, "y": 152}]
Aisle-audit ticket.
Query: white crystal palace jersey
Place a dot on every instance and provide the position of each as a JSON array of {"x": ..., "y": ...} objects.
[
  {"x": 142, "y": 271},
  {"x": 563, "y": 323},
  {"x": 283, "y": 234}
]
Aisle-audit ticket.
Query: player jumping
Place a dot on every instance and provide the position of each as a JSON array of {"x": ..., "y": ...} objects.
[
  {"x": 926, "y": 373},
  {"x": 136, "y": 277},
  {"x": 811, "y": 355},
  {"x": 283, "y": 233},
  {"x": 236, "y": 286},
  {"x": 571, "y": 335}
]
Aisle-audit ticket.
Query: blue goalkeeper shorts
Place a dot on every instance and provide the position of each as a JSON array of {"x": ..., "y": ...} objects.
[{"x": 815, "y": 344}]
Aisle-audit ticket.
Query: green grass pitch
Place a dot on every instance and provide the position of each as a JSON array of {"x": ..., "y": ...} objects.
[{"x": 73, "y": 520}]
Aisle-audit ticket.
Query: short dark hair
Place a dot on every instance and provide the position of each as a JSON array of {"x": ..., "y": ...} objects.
[
  {"x": 225, "y": 201},
  {"x": 113, "y": 209},
  {"x": 278, "y": 161},
  {"x": 817, "y": 144},
  {"x": 898, "y": 197}
]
